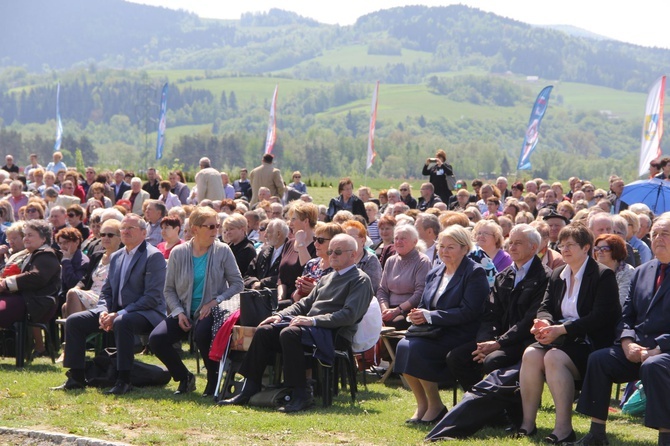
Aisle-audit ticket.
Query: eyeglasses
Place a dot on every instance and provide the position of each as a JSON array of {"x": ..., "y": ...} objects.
[
  {"x": 337, "y": 252},
  {"x": 128, "y": 228},
  {"x": 262, "y": 228},
  {"x": 404, "y": 190},
  {"x": 602, "y": 249},
  {"x": 599, "y": 196},
  {"x": 108, "y": 234},
  {"x": 483, "y": 234},
  {"x": 31, "y": 210},
  {"x": 211, "y": 227},
  {"x": 567, "y": 246},
  {"x": 297, "y": 176},
  {"x": 71, "y": 215},
  {"x": 320, "y": 240}
]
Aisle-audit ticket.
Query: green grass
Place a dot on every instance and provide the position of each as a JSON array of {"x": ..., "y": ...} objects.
[
  {"x": 357, "y": 56},
  {"x": 156, "y": 416}
]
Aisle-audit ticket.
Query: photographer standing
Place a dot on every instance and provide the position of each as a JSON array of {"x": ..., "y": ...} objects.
[{"x": 438, "y": 174}]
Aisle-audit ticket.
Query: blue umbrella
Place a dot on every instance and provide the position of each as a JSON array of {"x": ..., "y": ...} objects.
[{"x": 655, "y": 193}]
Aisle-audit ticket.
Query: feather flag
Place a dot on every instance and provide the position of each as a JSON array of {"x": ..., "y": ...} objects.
[
  {"x": 652, "y": 128},
  {"x": 373, "y": 122},
  {"x": 533, "y": 130},
  {"x": 272, "y": 124},
  {"x": 59, "y": 124},
  {"x": 161, "y": 123}
]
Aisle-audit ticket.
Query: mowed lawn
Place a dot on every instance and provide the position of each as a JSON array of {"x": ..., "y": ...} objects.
[{"x": 155, "y": 416}]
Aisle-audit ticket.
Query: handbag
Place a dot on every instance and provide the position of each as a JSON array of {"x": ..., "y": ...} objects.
[
  {"x": 423, "y": 331},
  {"x": 256, "y": 306},
  {"x": 637, "y": 403},
  {"x": 272, "y": 397}
]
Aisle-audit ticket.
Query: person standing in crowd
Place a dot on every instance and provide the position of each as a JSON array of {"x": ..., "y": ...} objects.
[
  {"x": 347, "y": 201},
  {"x": 242, "y": 185},
  {"x": 438, "y": 174},
  {"x": 152, "y": 184},
  {"x": 10, "y": 166},
  {"x": 266, "y": 175},
  {"x": 57, "y": 164},
  {"x": 208, "y": 182},
  {"x": 406, "y": 195}
]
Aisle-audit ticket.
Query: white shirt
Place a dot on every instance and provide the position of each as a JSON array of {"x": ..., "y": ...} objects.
[
  {"x": 569, "y": 302},
  {"x": 344, "y": 270},
  {"x": 276, "y": 253}
]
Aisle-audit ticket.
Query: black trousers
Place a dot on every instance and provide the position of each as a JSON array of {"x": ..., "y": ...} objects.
[
  {"x": 609, "y": 365},
  {"x": 468, "y": 372},
  {"x": 79, "y": 325},
  {"x": 168, "y": 332}
]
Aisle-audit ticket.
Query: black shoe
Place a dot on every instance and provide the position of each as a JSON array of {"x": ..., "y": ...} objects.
[
  {"x": 186, "y": 385},
  {"x": 553, "y": 439},
  {"x": 210, "y": 388},
  {"x": 413, "y": 421},
  {"x": 521, "y": 433},
  {"x": 593, "y": 440},
  {"x": 297, "y": 405},
  {"x": 439, "y": 416},
  {"x": 238, "y": 400},
  {"x": 120, "y": 388},
  {"x": 70, "y": 384}
]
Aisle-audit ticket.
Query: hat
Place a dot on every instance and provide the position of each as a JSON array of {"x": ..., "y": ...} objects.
[{"x": 554, "y": 214}]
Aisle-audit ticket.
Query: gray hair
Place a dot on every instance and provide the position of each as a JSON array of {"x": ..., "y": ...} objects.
[
  {"x": 135, "y": 180},
  {"x": 280, "y": 225},
  {"x": 530, "y": 233},
  {"x": 429, "y": 221},
  {"x": 407, "y": 229},
  {"x": 620, "y": 226},
  {"x": 111, "y": 213},
  {"x": 42, "y": 227},
  {"x": 348, "y": 240}
]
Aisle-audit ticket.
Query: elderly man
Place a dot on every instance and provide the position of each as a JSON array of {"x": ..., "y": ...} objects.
[
  {"x": 531, "y": 186},
  {"x": 152, "y": 186},
  {"x": 131, "y": 303},
  {"x": 501, "y": 184},
  {"x": 67, "y": 197},
  {"x": 228, "y": 188},
  {"x": 10, "y": 166},
  {"x": 208, "y": 182},
  {"x": 266, "y": 175},
  {"x": 485, "y": 192},
  {"x": 615, "y": 196},
  {"x": 509, "y": 312},
  {"x": 643, "y": 350},
  {"x": 263, "y": 272},
  {"x": 556, "y": 222},
  {"x": 33, "y": 165},
  {"x": 120, "y": 186},
  {"x": 550, "y": 258},
  {"x": 428, "y": 198},
  {"x": 153, "y": 214},
  {"x": 136, "y": 196},
  {"x": 329, "y": 313}
]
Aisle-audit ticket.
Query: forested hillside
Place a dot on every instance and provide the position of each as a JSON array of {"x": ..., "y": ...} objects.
[{"x": 451, "y": 77}]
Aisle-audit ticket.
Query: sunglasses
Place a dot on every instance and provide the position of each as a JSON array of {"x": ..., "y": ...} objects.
[
  {"x": 320, "y": 240},
  {"x": 211, "y": 227},
  {"x": 262, "y": 228},
  {"x": 602, "y": 249},
  {"x": 108, "y": 234},
  {"x": 71, "y": 215},
  {"x": 337, "y": 252},
  {"x": 404, "y": 190},
  {"x": 297, "y": 176}
]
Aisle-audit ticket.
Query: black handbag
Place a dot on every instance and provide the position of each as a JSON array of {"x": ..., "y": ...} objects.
[
  {"x": 424, "y": 331},
  {"x": 256, "y": 306}
]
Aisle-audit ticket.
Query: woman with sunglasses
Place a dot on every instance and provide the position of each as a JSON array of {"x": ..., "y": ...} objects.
[
  {"x": 297, "y": 183},
  {"x": 320, "y": 265},
  {"x": 234, "y": 233},
  {"x": 201, "y": 274},
  {"x": 34, "y": 211},
  {"x": 610, "y": 250},
  {"x": 85, "y": 294}
]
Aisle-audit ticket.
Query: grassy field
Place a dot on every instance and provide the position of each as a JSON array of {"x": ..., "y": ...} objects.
[
  {"x": 153, "y": 416},
  {"x": 357, "y": 56}
]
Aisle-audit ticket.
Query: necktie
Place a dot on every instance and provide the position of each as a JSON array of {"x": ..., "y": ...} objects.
[{"x": 661, "y": 276}]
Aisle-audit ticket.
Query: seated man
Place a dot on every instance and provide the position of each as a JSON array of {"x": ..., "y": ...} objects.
[
  {"x": 329, "y": 313},
  {"x": 643, "y": 350},
  {"x": 131, "y": 302},
  {"x": 505, "y": 330}
]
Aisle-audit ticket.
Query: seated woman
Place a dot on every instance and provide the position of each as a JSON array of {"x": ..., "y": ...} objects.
[
  {"x": 319, "y": 266},
  {"x": 74, "y": 263},
  {"x": 234, "y": 231},
  {"x": 373, "y": 218},
  {"x": 489, "y": 237},
  {"x": 452, "y": 303},
  {"x": 97, "y": 190},
  {"x": 170, "y": 229},
  {"x": 14, "y": 253},
  {"x": 34, "y": 289},
  {"x": 34, "y": 211},
  {"x": 171, "y": 200},
  {"x": 201, "y": 274},
  {"x": 384, "y": 248},
  {"x": 298, "y": 249},
  {"x": 85, "y": 294},
  {"x": 365, "y": 260},
  {"x": 610, "y": 250},
  {"x": 403, "y": 279},
  {"x": 91, "y": 244},
  {"x": 578, "y": 314}
]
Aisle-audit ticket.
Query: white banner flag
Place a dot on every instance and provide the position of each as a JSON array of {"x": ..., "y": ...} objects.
[{"x": 652, "y": 129}]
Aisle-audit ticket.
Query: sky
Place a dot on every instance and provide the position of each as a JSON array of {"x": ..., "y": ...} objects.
[{"x": 641, "y": 22}]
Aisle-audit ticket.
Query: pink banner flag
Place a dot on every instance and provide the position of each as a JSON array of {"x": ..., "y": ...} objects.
[
  {"x": 272, "y": 124},
  {"x": 371, "y": 137},
  {"x": 652, "y": 129}
]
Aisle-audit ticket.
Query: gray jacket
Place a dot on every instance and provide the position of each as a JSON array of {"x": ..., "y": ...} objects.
[{"x": 223, "y": 278}]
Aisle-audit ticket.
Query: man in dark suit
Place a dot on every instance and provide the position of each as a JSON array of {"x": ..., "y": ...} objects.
[
  {"x": 615, "y": 196},
  {"x": 642, "y": 350},
  {"x": 120, "y": 186},
  {"x": 263, "y": 271},
  {"x": 327, "y": 316},
  {"x": 509, "y": 313},
  {"x": 131, "y": 302}
]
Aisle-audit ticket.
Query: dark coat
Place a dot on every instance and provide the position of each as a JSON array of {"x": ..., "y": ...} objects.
[
  {"x": 260, "y": 269},
  {"x": 438, "y": 178},
  {"x": 87, "y": 281},
  {"x": 335, "y": 205},
  {"x": 40, "y": 282},
  {"x": 510, "y": 311},
  {"x": 422, "y": 204},
  {"x": 244, "y": 253},
  {"x": 597, "y": 305}
]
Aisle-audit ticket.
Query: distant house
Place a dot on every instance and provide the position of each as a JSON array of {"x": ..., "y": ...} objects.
[{"x": 532, "y": 78}]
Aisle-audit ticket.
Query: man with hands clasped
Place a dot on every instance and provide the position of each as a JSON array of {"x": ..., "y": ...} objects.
[
  {"x": 326, "y": 317},
  {"x": 642, "y": 351}
]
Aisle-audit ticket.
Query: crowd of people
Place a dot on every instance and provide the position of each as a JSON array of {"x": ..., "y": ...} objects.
[{"x": 568, "y": 284}]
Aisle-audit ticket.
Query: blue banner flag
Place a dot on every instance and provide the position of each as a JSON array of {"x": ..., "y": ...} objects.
[
  {"x": 161, "y": 123},
  {"x": 533, "y": 130},
  {"x": 59, "y": 124}
]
